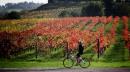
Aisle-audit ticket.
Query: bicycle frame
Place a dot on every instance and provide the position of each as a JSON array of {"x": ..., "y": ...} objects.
[
  {"x": 74, "y": 58},
  {"x": 82, "y": 62}
]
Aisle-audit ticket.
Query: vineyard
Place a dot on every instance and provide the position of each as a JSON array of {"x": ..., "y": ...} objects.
[{"x": 48, "y": 37}]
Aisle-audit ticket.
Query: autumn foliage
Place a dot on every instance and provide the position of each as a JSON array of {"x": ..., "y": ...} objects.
[{"x": 51, "y": 33}]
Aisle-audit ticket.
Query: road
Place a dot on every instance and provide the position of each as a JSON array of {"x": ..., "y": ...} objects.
[{"x": 69, "y": 70}]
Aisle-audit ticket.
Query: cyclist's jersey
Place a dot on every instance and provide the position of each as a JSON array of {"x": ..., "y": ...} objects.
[{"x": 80, "y": 50}]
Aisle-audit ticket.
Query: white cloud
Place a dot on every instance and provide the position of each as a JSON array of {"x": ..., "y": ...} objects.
[{"x": 2, "y": 2}]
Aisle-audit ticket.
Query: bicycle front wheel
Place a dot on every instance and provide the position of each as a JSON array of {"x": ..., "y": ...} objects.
[
  {"x": 85, "y": 63},
  {"x": 68, "y": 63}
]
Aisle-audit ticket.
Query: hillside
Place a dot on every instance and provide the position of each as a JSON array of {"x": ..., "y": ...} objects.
[
  {"x": 73, "y": 8},
  {"x": 52, "y": 10}
]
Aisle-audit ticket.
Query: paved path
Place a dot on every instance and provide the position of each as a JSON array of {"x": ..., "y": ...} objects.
[{"x": 69, "y": 70}]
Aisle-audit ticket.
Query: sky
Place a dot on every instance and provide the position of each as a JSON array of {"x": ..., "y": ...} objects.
[{"x": 3, "y": 2}]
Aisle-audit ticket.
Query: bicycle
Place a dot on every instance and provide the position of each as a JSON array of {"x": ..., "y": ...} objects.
[{"x": 68, "y": 62}]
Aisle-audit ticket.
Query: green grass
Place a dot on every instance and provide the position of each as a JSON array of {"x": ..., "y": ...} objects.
[
  {"x": 122, "y": 64},
  {"x": 58, "y": 64},
  {"x": 31, "y": 64}
]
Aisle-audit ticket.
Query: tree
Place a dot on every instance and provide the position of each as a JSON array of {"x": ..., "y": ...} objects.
[
  {"x": 116, "y": 8},
  {"x": 50, "y": 1},
  {"x": 108, "y": 4},
  {"x": 92, "y": 10},
  {"x": 121, "y": 10}
]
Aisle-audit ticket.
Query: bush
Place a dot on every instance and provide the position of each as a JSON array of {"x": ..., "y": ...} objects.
[
  {"x": 64, "y": 14},
  {"x": 74, "y": 14},
  {"x": 69, "y": 14},
  {"x": 12, "y": 15},
  {"x": 117, "y": 52},
  {"x": 5, "y": 44}
]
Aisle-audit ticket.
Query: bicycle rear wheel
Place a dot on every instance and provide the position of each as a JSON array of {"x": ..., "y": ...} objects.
[
  {"x": 68, "y": 63},
  {"x": 85, "y": 63}
]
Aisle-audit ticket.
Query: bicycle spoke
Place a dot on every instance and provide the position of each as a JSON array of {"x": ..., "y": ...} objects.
[
  {"x": 68, "y": 63},
  {"x": 84, "y": 63}
]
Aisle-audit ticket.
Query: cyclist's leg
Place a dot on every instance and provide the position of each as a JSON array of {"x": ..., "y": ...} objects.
[
  {"x": 67, "y": 55},
  {"x": 78, "y": 58}
]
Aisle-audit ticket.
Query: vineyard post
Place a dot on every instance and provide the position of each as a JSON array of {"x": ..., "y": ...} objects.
[
  {"x": 66, "y": 49},
  {"x": 129, "y": 42},
  {"x": 37, "y": 44},
  {"x": 98, "y": 45},
  {"x": 36, "y": 52},
  {"x": 36, "y": 48}
]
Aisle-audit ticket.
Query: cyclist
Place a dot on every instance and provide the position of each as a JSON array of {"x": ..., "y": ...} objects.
[{"x": 80, "y": 51}]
